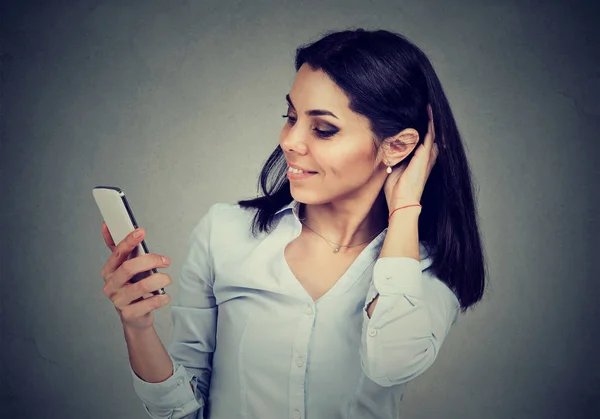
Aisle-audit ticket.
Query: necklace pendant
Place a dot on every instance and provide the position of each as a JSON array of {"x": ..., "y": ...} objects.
[{"x": 337, "y": 249}]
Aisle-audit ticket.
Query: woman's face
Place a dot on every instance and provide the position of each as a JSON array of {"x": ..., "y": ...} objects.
[{"x": 332, "y": 144}]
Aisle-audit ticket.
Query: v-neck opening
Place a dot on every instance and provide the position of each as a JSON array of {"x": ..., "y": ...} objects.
[{"x": 352, "y": 274}]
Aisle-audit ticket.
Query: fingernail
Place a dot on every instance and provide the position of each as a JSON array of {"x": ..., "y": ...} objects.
[
  {"x": 165, "y": 259},
  {"x": 137, "y": 233}
]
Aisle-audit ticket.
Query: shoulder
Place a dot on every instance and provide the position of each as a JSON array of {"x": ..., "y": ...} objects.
[
  {"x": 226, "y": 216},
  {"x": 225, "y": 223},
  {"x": 233, "y": 212}
]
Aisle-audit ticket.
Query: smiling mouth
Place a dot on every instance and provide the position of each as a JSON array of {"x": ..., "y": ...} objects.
[{"x": 298, "y": 171}]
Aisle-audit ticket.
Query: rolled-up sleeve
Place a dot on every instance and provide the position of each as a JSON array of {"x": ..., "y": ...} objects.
[
  {"x": 172, "y": 398},
  {"x": 413, "y": 316},
  {"x": 194, "y": 317}
]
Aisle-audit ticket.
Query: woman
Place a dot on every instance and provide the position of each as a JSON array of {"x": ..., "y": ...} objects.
[{"x": 340, "y": 283}]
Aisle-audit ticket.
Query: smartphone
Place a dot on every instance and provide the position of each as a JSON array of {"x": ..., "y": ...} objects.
[{"x": 117, "y": 214}]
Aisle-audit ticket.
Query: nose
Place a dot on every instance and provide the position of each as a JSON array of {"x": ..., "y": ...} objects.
[{"x": 292, "y": 140}]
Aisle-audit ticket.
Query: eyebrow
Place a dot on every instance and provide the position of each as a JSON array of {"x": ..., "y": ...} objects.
[{"x": 312, "y": 112}]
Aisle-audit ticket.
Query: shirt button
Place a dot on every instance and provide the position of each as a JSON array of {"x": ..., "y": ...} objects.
[
  {"x": 299, "y": 361},
  {"x": 308, "y": 310},
  {"x": 296, "y": 414},
  {"x": 372, "y": 332}
]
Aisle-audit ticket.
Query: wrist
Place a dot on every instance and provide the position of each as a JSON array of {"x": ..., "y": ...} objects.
[
  {"x": 401, "y": 202},
  {"x": 408, "y": 210},
  {"x": 137, "y": 331}
]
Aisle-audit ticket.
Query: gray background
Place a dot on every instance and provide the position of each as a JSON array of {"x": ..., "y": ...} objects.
[{"x": 179, "y": 104}]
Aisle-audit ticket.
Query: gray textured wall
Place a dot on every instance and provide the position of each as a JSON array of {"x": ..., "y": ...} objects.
[{"x": 179, "y": 103}]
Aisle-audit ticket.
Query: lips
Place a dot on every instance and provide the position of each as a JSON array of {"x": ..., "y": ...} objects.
[{"x": 295, "y": 166}]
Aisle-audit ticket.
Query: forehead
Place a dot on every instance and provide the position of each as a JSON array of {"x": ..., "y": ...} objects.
[{"x": 313, "y": 89}]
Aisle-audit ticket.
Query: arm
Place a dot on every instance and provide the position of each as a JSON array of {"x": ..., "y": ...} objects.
[
  {"x": 184, "y": 392},
  {"x": 147, "y": 355},
  {"x": 401, "y": 240},
  {"x": 408, "y": 312}
]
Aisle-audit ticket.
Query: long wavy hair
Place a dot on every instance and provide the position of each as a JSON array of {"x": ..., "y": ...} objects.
[{"x": 390, "y": 81}]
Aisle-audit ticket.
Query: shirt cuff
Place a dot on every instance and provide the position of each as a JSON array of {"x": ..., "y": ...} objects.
[
  {"x": 170, "y": 394},
  {"x": 398, "y": 276}
]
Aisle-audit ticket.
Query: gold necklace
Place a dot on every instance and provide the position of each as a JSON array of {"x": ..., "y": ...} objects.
[{"x": 337, "y": 245}]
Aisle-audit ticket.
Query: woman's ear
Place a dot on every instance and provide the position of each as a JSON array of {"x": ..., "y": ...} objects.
[{"x": 400, "y": 145}]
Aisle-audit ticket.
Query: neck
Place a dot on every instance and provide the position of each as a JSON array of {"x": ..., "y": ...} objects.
[{"x": 348, "y": 221}]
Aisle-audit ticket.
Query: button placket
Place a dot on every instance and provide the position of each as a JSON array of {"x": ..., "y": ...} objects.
[{"x": 298, "y": 362}]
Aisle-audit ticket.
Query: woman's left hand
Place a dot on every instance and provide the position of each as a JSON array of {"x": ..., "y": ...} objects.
[{"x": 406, "y": 182}]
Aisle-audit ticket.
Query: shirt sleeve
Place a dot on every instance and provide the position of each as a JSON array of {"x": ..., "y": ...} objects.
[
  {"x": 194, "y": 317},
  {"x": 413, "y": 316}
]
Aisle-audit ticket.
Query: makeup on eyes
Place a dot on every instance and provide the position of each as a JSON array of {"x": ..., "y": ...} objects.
[
  {"x": 326, "y": 133},
  {"x": 326, "y": 130},
  {"x": 322, "y": 133}
]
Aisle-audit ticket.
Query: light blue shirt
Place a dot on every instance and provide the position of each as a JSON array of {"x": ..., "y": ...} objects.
[{"x": 274, "y": 353}]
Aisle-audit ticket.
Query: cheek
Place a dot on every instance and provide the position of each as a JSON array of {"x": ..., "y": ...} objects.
[{"x": 353, "y": 165}]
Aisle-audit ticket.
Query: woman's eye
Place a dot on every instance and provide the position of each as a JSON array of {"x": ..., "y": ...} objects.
[
  {"x": 325, "y": 133},
  {"x": 291, "y": 119}
]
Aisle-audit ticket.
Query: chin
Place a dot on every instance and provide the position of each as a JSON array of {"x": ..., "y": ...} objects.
[{"x": 309, "y": 196}]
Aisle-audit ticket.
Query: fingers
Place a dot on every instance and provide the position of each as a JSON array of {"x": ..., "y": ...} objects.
[
  {"x": 129, "y": 293},
  {"x": 119, "y": 270},
  {"x": 434, "y": 154},
  {"x": 107, "y": 237},
  {"x": 135, "y": 311},
  {"x": 430, "y": 136},
  {"x": 121, "y": 252},
  {"x": 132, "y": 267}
]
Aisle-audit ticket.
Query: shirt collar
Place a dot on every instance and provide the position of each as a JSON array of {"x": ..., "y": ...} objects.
[{"x": 294, "y": 206}]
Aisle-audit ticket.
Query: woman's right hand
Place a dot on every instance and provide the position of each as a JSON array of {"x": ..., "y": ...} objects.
[{"x": 135, "y": 311}]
